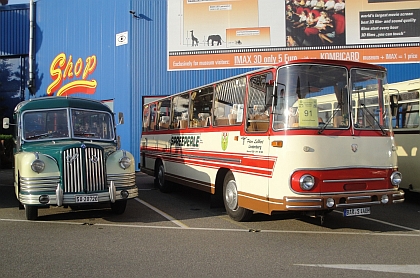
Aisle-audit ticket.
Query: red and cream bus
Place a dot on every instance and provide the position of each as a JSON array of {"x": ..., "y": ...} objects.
[
  {"x": 405, "y": 99},
  {"x": 306, "y": 135}
]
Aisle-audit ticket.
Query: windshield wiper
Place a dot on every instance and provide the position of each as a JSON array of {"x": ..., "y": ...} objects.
[
  {"x": 37, "y": 136},
  {"x": 329, "y": 120},
  {"x": 374, "y": 119}
]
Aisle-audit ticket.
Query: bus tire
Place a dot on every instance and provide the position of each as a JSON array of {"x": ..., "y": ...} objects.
[
  {"x": 31, "y": 212},
  {"x": 119, "y": 206},
  {"x": 160, "y": 182},
  {"x": 230, "y": 199}
]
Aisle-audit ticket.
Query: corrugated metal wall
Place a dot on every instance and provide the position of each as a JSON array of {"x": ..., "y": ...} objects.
[
  {"x": 149, "y": 68},
  {"x": 401, "y": 72},
  {"x": 81, "y": 29},
  {"x": 14, "y": 30}
]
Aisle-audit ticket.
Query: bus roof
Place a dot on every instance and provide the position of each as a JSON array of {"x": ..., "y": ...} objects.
[
  {"x": 61, "y": 102},
  {"x": 348, "y": 64},
  {"x": 342, "y": 63}
]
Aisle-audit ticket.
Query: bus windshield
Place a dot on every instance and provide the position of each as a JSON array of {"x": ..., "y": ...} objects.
[
  {"x": 317, "y": 96},
  {"x": 367, "y": 99},
  {"x": 55, "y": 124},
  {"x": 311, "y": 96}
]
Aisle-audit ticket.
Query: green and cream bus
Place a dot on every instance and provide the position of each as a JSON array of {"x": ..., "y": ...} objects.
[{"x": 67, "y": 154}]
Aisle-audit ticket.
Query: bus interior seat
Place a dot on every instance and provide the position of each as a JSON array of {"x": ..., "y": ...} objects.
[{"x": 337, "y": 121}]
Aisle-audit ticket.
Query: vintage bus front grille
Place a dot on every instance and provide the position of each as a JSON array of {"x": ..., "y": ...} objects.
[{"x": 84, "y": 170}]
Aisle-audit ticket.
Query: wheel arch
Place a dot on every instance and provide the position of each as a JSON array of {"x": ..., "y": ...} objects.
[
  {"x": 158, "y": 161},
  {"x": 220, "y": 176}
]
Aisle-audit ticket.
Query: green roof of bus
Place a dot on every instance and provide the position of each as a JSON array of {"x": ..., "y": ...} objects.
[{"x": 61, "y": 102}]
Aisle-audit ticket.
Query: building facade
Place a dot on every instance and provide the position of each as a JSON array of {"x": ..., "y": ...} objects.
[{"x": 123, "y": 51}]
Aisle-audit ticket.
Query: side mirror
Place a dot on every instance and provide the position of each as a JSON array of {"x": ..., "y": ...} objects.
[
  {"x": 120, "y": 118},
  {"x": 6, "y": 123}
]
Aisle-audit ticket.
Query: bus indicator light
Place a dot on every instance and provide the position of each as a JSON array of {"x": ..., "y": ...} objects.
[{"x": 277, "y": 144}]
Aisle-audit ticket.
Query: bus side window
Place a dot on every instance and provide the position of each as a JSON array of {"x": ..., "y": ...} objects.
[
  {"x": 152, "y": 117},
  {"x": 201, "y": 106},
  {"x": 229, "y": 102},
  {"x": 258, "y": 112},
  {"x": 164, "y": 108},
  {"x": 146, "y": 117},
  {"x": 180, "y": 111}
]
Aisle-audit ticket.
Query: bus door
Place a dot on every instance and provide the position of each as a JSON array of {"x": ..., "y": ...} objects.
[{"x": 257, "y": 128}]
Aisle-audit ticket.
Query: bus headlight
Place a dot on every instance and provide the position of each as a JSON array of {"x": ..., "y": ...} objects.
[
  {"x": 396, "y": 178},
  {"x": 307, "y": 182},
  {"x": 125, "y": 162},
  {"x": 38, "y": 166}
]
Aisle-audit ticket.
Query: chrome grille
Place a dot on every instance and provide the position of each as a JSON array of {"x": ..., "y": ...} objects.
[{"x": 84, "y": 170}]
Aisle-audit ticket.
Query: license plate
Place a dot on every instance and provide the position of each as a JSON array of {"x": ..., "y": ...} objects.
[
  {"x": 86, "y": 198},
  {"x": 356, "y": 211}
]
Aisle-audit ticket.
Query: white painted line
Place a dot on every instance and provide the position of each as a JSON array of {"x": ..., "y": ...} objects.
[
  {"x": 405, "y": 268},
  {"x": 167, "y": 216},
  {"x": 390, "y": 224},
  {"x": 384, "y": 222},
  {"x": 185, "y": 227}
]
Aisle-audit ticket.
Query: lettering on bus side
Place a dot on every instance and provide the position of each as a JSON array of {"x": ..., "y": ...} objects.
[{"x": 185, "y": 140}]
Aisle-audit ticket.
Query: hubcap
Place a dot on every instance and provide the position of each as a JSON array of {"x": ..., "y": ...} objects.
[{"x": 231, "y": 195}]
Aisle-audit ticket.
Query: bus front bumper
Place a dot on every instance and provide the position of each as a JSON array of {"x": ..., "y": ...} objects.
[{"x": 343, "y": 201}]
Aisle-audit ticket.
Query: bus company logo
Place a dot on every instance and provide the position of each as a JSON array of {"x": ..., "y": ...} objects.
[
  {"x": 185, "y": 141},
  {"x": 354, "y": 147},
  {"x": 63, "y": 69},
  {"x": 225, "y": 137},
  {"x": 71, "y": 158}
]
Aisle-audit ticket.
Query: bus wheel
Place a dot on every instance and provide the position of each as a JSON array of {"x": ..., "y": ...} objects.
[
  {"x": 119, "y": 206},
  {"x": 31, "y": 212},
  {"x": 230, "y": 198},
  {"x": 160, "y": 182}
]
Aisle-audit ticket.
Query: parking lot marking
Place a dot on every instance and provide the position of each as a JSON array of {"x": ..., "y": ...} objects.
[
  {"x": 406, "y": 268},
  {"x": 385, "y": 223},
  {"x": 167, "y": 216},
  {"x": 181, "y": 226},
  {"x": 390, "y": 224}
]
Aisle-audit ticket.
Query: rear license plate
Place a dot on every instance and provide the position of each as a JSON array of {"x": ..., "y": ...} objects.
[
  {"x": 86, "y": 198},
  {"x": 356, "y": 211}
]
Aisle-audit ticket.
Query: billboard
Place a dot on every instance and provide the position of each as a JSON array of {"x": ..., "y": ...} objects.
[{"x": 209, "y": 34}]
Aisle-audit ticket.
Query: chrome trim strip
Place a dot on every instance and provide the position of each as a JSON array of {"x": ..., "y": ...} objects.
[
  {"x": 69, "y": 199},
  {"x": 302, "y": 200},
  {"x": 183, "y": 156},
  {"x": 303, "y": 207},
  {"x": 359, "y": 197},
  {"x": 397, "y": 201},
  {"x": 378, "y": 191},
  {"x": 354, "y": 180},
  {"x": 357, "y": 204},
  {"x": 399, "y": 194}
]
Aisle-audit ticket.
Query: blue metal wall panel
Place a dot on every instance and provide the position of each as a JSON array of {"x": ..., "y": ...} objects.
[
  {"x": 80, "y": 29},
  {"x": 401, "y": 72},
  {"x": 149, "y": 64},
  {"x": 14, "y": 30}
]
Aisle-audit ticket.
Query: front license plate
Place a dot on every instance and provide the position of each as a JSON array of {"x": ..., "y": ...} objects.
[
  {"x": 86, "y": 198},
  {"x": 356, "y": 211}
]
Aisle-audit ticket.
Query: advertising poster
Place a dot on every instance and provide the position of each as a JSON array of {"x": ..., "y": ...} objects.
[{"x": 209, "y": 34}]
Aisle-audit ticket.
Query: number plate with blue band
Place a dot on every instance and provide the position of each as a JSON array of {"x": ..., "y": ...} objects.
[{"x": 356, "y": 211}]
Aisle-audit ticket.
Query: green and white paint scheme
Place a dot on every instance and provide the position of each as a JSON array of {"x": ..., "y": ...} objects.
[{"x": 67, "y": 154}]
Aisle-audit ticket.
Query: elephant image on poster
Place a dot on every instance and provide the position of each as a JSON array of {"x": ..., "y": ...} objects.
[{"x": 214, "y": 38}]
